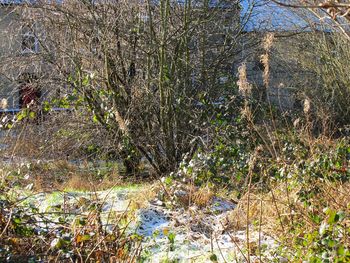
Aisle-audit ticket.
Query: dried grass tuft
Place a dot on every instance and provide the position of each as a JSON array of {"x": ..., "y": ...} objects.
[
  {"x": 141, "y": 198},
  {"x": 268, "y": 41},
  {"x": 277, "y": 211},
  {"x": 271, "y": 211},
  {"x": 78, "y": 182},
  {"x": 202, "y": 197},
  {"x": 267, "y": 45},
  {"x": 244, "y": 87},
  {"x": 307, "y": 106},
  {"x": 266, "y": 74}
]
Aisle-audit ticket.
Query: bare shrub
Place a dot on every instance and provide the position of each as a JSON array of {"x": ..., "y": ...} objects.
[{"x": 138, "y": 69}]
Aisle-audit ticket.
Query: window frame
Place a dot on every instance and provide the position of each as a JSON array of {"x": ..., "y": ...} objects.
[{"x": 28, "y": 34}]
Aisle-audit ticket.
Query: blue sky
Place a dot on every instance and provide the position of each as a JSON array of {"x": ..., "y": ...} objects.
[
  {"x": 266, "y": 15},
  {"x": 269, "y": 16}
]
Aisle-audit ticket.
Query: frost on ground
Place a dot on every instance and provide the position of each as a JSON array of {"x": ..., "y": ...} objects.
[
  {"x": 189, "y": 234},
  {"x": 196, "y": 235}
]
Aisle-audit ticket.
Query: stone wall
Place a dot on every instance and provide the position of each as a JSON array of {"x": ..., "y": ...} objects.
[{"x": 287, "y": 77}]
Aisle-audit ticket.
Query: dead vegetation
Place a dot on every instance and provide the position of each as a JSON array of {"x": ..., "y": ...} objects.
[{"x": 288, "y": 172}]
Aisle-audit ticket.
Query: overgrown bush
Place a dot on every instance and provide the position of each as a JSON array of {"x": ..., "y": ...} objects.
[
  {"x": 140, "y": 68},
  {"x": 28, "y": 234}
]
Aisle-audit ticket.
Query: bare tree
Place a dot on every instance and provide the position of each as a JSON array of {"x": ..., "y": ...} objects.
[{"x": 140, "y": 68}]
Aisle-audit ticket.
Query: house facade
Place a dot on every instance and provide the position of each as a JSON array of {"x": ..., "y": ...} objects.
[
  {"x": 22, "y": 70},
  {"x": 295, "y": 31}
]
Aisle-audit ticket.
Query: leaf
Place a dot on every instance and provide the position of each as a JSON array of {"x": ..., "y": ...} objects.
[
  {"x": 165, "y": 231},
  {"x": 341, "y": 215},
  {"x": 32, "y": 115},
  {"x": 333, "y": 217},
  {"x": 341, "y": 250},
  {"x": 168, "y": 181},
  {"x": 46, "y": 106},
  {"x": 14, "y": 241},
  {"x": 85, "y": 81},
  {"x": 94, "y": 119},
  {"x": 23, "y": 114},
  {"x": 82, "y": 238},
  {"x": 57, "y": 243},
  {"x": 17, "y": 220},
  {"x": 213, "y": 258},
  {"x": 171, "y": 237},
  {"x": 120, "y": 253}
]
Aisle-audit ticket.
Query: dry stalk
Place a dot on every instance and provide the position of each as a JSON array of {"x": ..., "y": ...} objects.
[
  {"x": 266, "y": 74},
  {"x": 244, "y": 87},
  {"x": 267, "y": 45},
  {"x": 252, "y": 163}
]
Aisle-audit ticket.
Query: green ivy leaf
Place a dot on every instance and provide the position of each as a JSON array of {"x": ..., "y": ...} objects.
[
  {"x": 32, "y": 115},
  {"x": 213, "y": 258}
]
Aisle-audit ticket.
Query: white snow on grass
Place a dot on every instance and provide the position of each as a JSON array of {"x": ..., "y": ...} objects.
[{"x": 189, "y": 234}]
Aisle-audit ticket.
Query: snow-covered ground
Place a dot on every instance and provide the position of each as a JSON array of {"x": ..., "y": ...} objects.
[{"x": 190, "y": 234}]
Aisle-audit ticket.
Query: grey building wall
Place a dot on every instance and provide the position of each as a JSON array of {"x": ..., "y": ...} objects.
[{"x": 10, "y": 43}]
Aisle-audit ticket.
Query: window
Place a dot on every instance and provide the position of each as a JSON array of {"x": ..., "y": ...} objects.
[
  {"x": 94, "y": 45},
  {"x": 30, "y": 43},
  {"x": 143, "y": 16}
]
